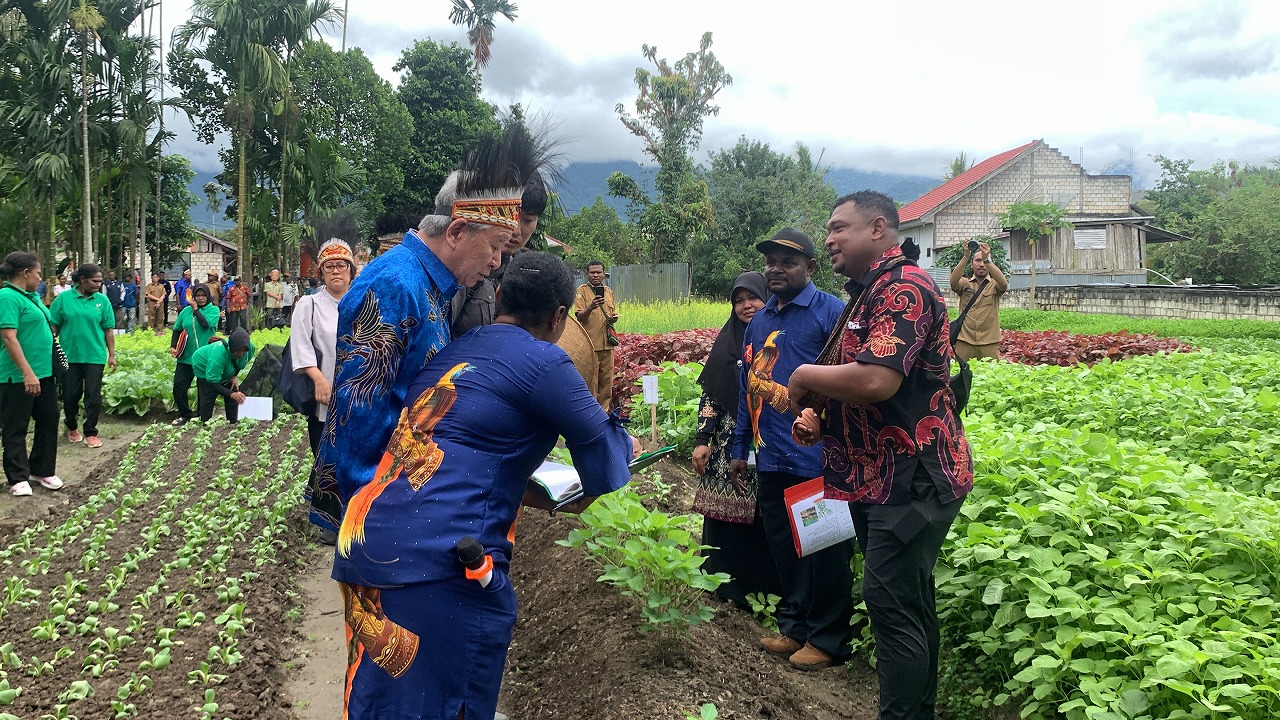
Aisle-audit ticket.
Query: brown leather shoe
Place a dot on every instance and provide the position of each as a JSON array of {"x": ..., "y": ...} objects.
[
  {"x": 780, "y": 645},
  {"x": 810, "y": 658}
]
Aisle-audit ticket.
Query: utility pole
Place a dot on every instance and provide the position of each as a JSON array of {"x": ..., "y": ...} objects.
[{"x": 345, "y": 4}]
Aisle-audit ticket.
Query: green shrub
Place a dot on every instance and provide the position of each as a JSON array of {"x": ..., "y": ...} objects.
[
  {"x": 678, "y": 396},
  {"x": 651, "y": 557},
  {"x": 1117, "y": 557},
  {"x": 1013, "y": 319}
]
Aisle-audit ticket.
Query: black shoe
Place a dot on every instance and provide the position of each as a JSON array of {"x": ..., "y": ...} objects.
[{"x": 327, "y": 537}]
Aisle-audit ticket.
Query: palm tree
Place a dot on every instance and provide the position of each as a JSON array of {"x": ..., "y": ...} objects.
[
  {"x": 36, "y": 118},
  {"x": 958, "y": 166},
  {"x": 231, "y": 36},
  {"x": 87, "y": 21},
  {"x": 242, "y": 40},
  {"x": 292, "y": 28},
  {"x": 478, "y": 16}
]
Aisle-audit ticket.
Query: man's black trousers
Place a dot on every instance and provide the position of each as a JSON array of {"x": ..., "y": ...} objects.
[
  {"x": 900, "y": 545},
  {"x": 817, "y": 590}
]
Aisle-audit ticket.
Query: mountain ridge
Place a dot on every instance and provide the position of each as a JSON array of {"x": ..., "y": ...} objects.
[{"x": 583, "y": 182}]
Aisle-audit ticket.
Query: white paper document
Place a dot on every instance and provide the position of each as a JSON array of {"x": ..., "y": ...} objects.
[
  {"x": 256, "y": 408},
  {"x": 560, "y": 481}
]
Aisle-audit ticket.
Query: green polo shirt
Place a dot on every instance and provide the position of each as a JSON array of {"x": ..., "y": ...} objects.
[
  {"x": 23, "y": 311},
  {"x": 196, "y": 337},
  {"x": 81, "y": 322},
  {"x": 215, "y": 363}
]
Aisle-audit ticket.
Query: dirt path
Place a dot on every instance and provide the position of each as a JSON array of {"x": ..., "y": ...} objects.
[{"x": 319, "y": 657}]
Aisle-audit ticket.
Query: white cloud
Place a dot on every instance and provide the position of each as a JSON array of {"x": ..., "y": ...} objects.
[{"x": 891, "y": 87}]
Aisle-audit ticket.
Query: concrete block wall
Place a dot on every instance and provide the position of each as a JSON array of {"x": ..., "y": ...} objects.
[
  {"x": 204, "y": 263},
  {"x": 1147, "y": 302}
]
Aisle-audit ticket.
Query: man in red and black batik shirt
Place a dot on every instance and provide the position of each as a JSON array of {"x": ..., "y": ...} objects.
[{"x": 893, "y": 443}]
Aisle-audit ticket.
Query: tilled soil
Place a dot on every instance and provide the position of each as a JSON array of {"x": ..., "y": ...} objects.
[
  {"x": 579, "y": 649},
  {"x": 580, "y": 653},
  {"x": 249, "y": 688}
]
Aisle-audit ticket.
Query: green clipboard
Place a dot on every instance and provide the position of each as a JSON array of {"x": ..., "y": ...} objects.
[{"x": 649, "y": 458}]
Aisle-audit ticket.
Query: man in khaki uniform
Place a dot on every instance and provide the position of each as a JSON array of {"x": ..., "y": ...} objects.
[
  {"x": 155, "y": 294},
  {"x": 980, "y": 336},
  {"x": 594, "y": 308}
]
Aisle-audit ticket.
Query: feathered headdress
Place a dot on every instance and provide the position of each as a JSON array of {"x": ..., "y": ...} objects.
[
  {"x": 342, "y": 224},
  {"x": 493, "y": 176}
]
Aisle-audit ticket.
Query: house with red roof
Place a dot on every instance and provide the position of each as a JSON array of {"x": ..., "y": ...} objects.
[{"x": 1108, "y": 240}]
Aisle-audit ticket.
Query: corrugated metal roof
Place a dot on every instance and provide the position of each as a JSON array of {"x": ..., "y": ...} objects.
[{"x": 928, "y": 202}]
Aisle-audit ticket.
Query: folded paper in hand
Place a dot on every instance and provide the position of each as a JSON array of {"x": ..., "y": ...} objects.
[{"x": 816, "y": 523}]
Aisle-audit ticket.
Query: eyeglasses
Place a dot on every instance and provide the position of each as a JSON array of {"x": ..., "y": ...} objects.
[{"x": 335, "y": 266}]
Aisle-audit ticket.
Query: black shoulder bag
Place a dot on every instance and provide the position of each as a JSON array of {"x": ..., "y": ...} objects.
[
  {"x": 962, "y": 381},
  {"x": 298, "y": 390}
]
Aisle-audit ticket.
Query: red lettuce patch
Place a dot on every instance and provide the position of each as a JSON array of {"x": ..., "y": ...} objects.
[
  {"x": 638, "y": 355},
  {"x": 1053, "y": 347}
]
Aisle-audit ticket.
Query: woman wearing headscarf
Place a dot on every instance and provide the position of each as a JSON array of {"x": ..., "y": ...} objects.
[
  {"x": 314, "y": 348},
  {"x": 195, "y": 325},
  {"x": 85, "y": 322},
  {"x": 217, "y": 366},
  {"x": 429, "y": 630},
  {"x": 27, "y": 388},
  {"x": 731, "y": 521}
]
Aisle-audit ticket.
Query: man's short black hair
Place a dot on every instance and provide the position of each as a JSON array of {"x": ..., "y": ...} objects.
[
  {"x": 873, "y": 203},
  {"x": 534, "y": 286},
  {"x": 594, "y": 263},
  {"x": 533, "y": 201}
]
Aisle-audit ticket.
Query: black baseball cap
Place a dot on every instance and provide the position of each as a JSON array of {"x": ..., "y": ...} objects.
[{"x": 788, "y": 238}]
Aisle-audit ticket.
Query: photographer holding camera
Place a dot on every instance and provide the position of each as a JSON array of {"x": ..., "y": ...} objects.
[
  {"x": 980, "y": 335},
  {"x": 593, "y": 296}
]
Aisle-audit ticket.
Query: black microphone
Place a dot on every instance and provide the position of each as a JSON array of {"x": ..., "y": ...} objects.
[{"x": 479, "y": 566}]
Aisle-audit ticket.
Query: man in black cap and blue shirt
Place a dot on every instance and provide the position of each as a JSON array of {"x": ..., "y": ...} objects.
[{"x": 791, "y": 330}]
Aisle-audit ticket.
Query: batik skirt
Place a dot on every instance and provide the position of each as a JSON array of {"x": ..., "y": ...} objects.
[{"x": 428, "y": 650}]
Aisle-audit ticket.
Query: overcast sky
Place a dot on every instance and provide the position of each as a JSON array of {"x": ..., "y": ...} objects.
[{"x": 893, "y": 87}]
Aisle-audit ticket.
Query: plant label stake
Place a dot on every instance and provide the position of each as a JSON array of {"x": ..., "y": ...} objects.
[{"x": 649, "y": 384}]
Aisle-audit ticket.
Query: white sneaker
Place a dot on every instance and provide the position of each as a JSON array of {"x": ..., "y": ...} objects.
[
  {"x": 21, "y": 489},
  {"x": 53, "y": 482}
]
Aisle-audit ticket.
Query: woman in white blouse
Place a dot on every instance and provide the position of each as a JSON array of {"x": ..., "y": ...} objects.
[{"x": 315, "y": 329}]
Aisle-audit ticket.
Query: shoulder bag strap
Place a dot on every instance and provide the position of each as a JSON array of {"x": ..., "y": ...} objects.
[{"x": 976, "y": 293}]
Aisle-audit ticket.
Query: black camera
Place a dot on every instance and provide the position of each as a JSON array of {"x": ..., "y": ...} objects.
[{"x": 973, "y": 246}]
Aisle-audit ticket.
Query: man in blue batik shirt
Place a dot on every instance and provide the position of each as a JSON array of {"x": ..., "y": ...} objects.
[
  {"x": 791, "y": 330},
  {"x": 390, "y": 324},
  {"x": 395, "y": 317}
]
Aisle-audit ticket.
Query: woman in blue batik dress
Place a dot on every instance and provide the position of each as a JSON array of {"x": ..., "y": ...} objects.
[{"x": 425, "y": 638}]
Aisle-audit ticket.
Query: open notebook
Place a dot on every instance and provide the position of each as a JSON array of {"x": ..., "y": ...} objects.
[{"x": 562, "y": 484}]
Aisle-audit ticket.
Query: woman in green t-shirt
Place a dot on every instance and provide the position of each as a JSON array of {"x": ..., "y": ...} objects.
[
  {"x": 27, "y": 388},
  {"x": 85, "y": 322},
  {"x": 198, "y": 322}
]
